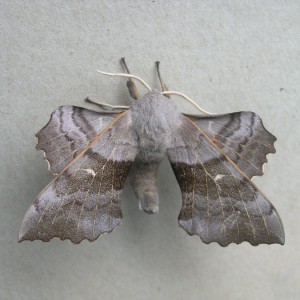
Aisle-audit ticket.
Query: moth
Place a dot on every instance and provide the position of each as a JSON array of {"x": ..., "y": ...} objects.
[{"x": 213, "y": 157}]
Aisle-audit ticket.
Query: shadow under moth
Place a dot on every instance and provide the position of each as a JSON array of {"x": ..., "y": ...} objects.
[{"x": 213, "y": 157}]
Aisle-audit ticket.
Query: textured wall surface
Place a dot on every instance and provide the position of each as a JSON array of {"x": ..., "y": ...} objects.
[{"x": 239, "y": 55}]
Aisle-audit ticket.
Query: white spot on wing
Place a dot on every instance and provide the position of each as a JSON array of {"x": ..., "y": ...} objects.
[
  {"x": 89, "y": 171},
  {"x": 49, "y": 166},
  {"x": 218, "y": 177}
]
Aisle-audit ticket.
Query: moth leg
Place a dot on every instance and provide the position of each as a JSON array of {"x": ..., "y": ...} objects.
[
  {"x": 143, "y": 178},
  {"x": 106, "y": 106},
  {"x": 133, "y": 91},
  {"x": 164, "y": 88}
]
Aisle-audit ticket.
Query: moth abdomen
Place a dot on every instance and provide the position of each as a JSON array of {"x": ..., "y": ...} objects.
[{"x": 143, "y": 178}]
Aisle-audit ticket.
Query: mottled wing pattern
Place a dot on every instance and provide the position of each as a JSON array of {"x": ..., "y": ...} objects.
[
  {"x": 84, "y": 200},
  {"x": 241, "y": 136},
  {"x": 68, "y": 132},
  {"x": 220, "y": 203}
]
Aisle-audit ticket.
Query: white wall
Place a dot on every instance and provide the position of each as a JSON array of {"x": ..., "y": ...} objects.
[{"x": 242, "y": 55}]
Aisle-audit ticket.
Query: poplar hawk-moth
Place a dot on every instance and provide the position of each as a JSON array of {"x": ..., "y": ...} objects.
[{"x": 213, "y": 157}]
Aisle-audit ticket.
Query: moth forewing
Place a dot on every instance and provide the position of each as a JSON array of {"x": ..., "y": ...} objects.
[{"x": 83, "y": 201}]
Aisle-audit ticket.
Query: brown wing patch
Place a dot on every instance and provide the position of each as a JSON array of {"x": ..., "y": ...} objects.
[
  {"x": 241, "y": 136},
  {"x": 69, "y": 131}
]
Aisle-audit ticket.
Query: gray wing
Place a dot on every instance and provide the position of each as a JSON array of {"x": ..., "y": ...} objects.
[
  {"x": 69, "y": 131},
  {"x": 83, "y": 201},
  {"x": 241, "y": 136},
  {"x": 220, "y": 203}
]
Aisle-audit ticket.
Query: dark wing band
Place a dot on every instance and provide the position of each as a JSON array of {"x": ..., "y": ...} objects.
[
  {"x": 69, "y": 131},
  {"x": 241, "y": 136}
]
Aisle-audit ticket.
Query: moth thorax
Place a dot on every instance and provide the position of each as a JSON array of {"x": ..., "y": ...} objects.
[{"x": 154, "y": 119}]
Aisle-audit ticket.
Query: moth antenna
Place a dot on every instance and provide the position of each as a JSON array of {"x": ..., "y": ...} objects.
[
  {"x": 125, "y": 65},
  {"x": 133, "y": 91},
  {"x": 101, "y": 104},
  {"x": 188, "y": 99},
  {"x": 164, "y": 88},
  {"x": 126, "y": 75}
]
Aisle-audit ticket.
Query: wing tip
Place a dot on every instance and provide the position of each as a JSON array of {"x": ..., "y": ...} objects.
[{"x": 22, "y": 234}]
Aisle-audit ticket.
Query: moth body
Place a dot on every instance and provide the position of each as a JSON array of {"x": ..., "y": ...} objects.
[{"x": 154, "y": 120}]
